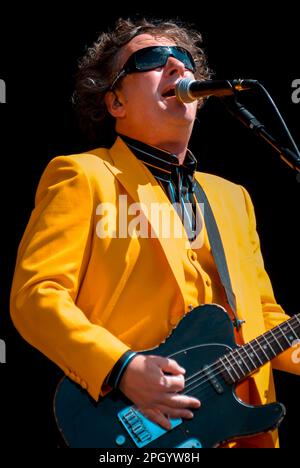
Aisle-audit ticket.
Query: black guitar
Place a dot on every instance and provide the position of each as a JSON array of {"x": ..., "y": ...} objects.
[{"x": 203, "y": 343}]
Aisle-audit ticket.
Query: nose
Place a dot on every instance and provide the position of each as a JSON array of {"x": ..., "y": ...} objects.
[{"x": 174, "y": 66}]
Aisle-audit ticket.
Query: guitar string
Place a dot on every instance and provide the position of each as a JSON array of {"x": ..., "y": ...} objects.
[
  {"x": 221, "y": 366},
  {"x": 206, "y": 394},
  {"x": 216, "y": 365},
  {"x": 206, "y": 379},
  {"x": 253, "y": 343},
  {"x": 212, "y": 391}
]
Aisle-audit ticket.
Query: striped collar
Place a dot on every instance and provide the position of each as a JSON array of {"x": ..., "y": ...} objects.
[{"x": 161, "y": 163}]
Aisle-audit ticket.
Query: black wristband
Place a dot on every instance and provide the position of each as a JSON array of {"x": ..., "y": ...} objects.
[{"x": 118, "y": 370}]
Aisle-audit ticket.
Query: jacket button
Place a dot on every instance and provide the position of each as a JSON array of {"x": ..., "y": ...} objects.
[
  {"x": 192, "y": 255},
  {"x": 208, "y": 282}
]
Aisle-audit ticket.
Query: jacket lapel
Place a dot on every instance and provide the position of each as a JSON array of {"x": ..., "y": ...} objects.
[{"x": 143, "y": 189}]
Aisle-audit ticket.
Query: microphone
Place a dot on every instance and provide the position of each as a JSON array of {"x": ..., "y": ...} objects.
[{"x": 188, "y": 90}]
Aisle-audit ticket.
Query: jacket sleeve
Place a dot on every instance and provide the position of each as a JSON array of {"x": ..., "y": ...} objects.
[
  {"x": 51, "y": 262},
  {"x": 273, "y": 312}
]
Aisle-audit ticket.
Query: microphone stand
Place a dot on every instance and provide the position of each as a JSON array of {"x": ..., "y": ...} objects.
[{"x": 250, "y": 121}]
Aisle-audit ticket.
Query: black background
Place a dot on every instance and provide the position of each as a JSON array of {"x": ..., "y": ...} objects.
[{"x": 38, "y": 55}]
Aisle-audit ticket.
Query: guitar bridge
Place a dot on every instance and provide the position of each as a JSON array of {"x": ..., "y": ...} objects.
[{"x": 141, "y": 429}]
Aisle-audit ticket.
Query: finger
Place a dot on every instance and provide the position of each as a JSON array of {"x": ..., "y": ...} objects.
[
  {"x": 174, "y": 400},
  {"x": 171, "y": 366},
  {"x": 173, "y": 383},
  {"x": 157, "y": 417}
]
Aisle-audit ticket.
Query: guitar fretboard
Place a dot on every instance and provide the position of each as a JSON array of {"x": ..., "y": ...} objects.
[{"x": 242, "y": 361}]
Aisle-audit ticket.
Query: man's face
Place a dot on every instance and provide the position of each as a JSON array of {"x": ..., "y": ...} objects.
[{"x": 145, "y": 108}]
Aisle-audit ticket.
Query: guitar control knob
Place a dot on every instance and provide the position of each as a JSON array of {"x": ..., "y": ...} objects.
[{"x": 120, "y": 440}]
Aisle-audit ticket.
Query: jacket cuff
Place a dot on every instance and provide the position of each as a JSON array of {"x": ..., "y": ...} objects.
[{"x": 114, "y": 377}]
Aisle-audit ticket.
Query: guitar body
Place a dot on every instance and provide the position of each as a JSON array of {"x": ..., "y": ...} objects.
[{"x": 201, "y": 338}]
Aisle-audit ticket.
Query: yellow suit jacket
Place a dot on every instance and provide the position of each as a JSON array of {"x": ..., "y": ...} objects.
[{"x": 84, "y": 300}]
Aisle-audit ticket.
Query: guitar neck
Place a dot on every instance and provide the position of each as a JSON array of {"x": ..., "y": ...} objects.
[{"x": 246, "y": 359}]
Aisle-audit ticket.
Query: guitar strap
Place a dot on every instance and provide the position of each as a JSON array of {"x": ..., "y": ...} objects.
[{"x": 217, "y": 249}]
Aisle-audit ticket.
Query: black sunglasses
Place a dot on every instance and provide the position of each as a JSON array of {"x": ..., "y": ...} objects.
[{"x": 153, "y": 57}]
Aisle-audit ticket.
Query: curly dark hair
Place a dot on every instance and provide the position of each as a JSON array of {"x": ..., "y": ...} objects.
[{"x": 99, "y": 66}]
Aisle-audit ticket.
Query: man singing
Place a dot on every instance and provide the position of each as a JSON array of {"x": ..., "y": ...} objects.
[{"x": 91, "y": 297}]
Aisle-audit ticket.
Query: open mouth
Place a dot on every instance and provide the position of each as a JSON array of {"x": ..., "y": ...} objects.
[{"x": 169, "y": 93}]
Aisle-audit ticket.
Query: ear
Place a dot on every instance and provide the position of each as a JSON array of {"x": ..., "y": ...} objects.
[{"x": 114, "y": 105}]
